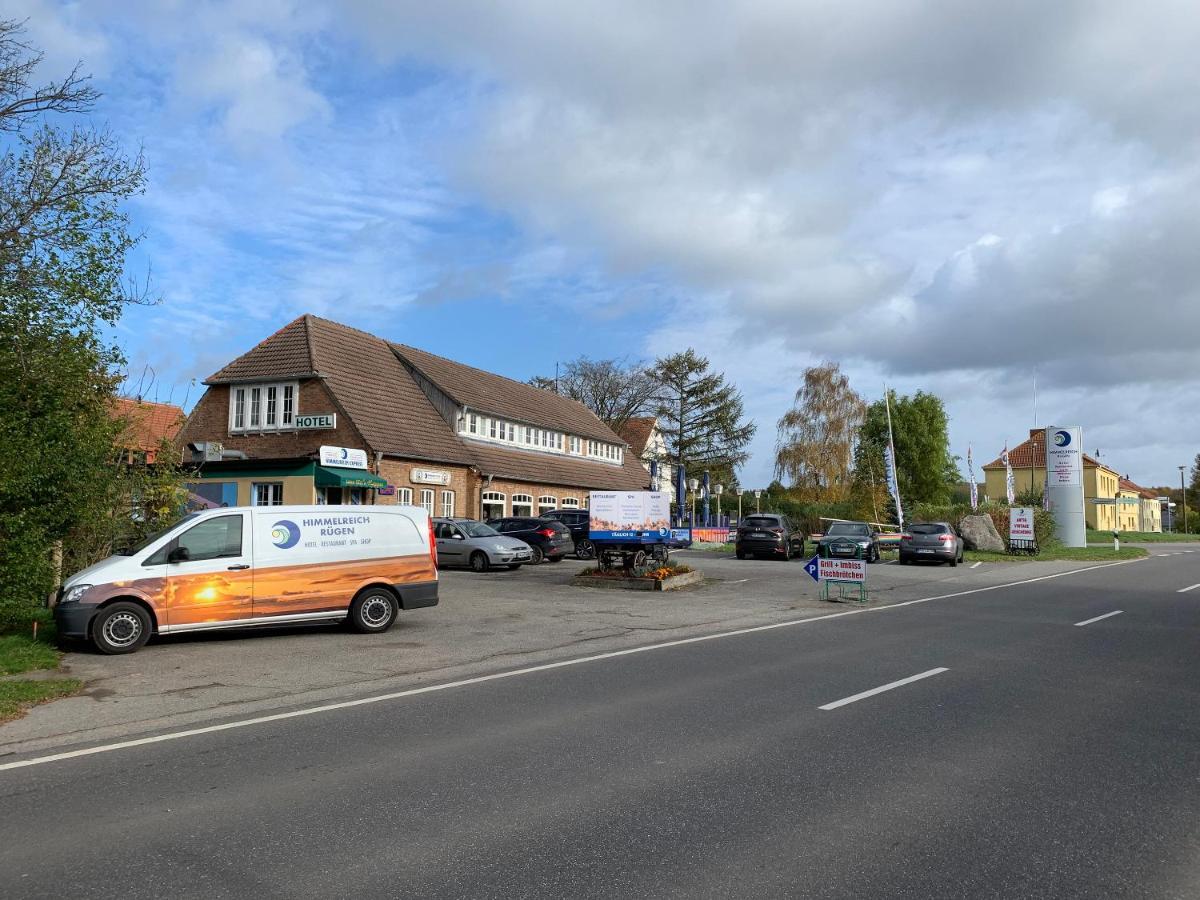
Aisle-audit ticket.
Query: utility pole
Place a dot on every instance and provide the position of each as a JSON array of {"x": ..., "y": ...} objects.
[{"x": 1183, "y": 496}]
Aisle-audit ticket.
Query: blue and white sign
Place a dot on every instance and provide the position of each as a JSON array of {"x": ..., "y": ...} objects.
[
  {"x": 813, "y": 568},
  {"x": 344, "y": 457},
  {"x": 851, "y": 570}
]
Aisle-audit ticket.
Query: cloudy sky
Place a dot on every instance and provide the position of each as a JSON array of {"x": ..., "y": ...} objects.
[{"x": 962, "y": 198}]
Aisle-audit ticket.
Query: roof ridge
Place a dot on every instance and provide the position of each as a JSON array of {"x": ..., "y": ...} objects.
[{"x": 308, "y": 342}]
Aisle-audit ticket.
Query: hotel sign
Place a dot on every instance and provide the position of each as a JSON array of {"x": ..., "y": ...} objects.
[
  {"x": 316, "y": 422},
  {"x": 344, "y": 457}
]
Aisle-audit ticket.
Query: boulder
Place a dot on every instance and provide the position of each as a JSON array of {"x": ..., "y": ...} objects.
[{"x": 979, "y": 533}]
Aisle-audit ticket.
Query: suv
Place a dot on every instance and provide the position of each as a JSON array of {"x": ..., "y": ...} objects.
[
  {"x": 769, "y": 533},
  {"x": 931, "y": 540},
  {"x": 547, "y": 538},
  {"x": 577, "y": 521},
  {"x": 849, "y": 540}
]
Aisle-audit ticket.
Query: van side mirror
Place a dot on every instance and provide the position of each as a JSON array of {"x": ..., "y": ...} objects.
[{"x": 179, "y": 554}]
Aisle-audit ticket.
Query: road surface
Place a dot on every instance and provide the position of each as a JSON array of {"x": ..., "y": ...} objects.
[{"x": 1039, "y": 740}]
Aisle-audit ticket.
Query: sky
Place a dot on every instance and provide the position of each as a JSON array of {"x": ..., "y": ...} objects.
[{"x": 996, "y": 203}]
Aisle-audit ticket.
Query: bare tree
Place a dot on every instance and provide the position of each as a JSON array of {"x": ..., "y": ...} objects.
[
  {"x": 616, "y": 390},
  {"x": 815, "y": 445}
]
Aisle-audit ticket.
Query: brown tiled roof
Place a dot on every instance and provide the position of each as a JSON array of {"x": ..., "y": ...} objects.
[
  {"x": 505, "y": 397},
  {"x": 551, "y": 469},
  {"x": 1125, "y": 484},
  {"x": 636, "y": 432},
  {"x": 285, "y": 354},
  {"x": 147, "y": 424},
  {"x": 1031, "y": 453}
]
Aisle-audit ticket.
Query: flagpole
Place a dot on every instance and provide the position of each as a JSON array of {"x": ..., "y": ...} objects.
[{"x": 887, "y": 400}]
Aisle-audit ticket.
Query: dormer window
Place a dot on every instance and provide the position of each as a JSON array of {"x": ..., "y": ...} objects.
[{"x": 262, "y": 407}]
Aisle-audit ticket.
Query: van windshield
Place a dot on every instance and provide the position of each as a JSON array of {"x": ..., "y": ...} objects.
[{"x": 147, "y": 541}]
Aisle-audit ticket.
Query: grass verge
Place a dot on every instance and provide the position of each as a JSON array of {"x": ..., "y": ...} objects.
[
  {"x": 21, "y": 653},
  {"x": 1084, "y": 554},
  {"x": 18, "y": 696},
  {"x": 1141, "y": 537}
]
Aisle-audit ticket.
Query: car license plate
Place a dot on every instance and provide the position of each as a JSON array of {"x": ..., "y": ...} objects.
[
  {"x": 761, "y": 534},
  {"x": 924, "y": 551}
]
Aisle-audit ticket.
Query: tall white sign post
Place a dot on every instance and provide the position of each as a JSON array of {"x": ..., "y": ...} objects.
[{"x": 1064, "y": 483}]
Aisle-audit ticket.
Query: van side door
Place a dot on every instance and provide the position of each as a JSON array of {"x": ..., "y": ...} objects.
[{"x": 209, "y": 576}]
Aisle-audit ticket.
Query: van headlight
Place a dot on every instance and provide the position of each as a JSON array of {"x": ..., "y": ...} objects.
[{"x": 72, "y": 595}]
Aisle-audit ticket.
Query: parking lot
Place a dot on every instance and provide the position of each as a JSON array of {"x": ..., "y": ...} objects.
[{"x": 485, "y": 622}]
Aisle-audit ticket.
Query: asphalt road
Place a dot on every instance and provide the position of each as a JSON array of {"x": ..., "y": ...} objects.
[{"x": 1037, "y": 757}]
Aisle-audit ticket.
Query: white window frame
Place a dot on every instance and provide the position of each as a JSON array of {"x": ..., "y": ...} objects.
[
  {"x": 428, "y": 497},
  {"x": 493, "y": 497},
  {"x": 404, "y": 495},
  {"x": 492, "y": 428},
  {"x": 570, "y": 503},
  {"x": 546, "y": 501},
  {"x": 274, "y": 493},
  {"x": 473, "y": 427},
  {"x": 448, "y": 504},
  {"x": 525, "y": 500},
  {"x": 263, "y": 407}
]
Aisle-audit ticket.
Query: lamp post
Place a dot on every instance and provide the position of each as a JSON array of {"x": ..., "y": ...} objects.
[
  {"x": 757, "y": 503},
  {"x": 718, "y": 489},
  {"x": 740, "y": 492},
  {"x": 694, "y": 485},
  {"x": 1183, "y": 494}
]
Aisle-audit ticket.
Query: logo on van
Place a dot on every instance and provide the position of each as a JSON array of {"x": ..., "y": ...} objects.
[{"x": 285, "y": 534}]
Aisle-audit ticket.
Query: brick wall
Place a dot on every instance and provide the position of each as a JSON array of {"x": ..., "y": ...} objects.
[
  {"x": 509, "y": 488},
  {"x": 209, "y": 421},
  {"x": 398, "y": 472}
]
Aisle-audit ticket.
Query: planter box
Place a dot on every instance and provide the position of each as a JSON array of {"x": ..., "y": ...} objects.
[{"x": 638, "y": 584}]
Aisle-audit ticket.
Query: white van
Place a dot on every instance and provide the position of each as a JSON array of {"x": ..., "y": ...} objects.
[{"x": 237, "y": 567}]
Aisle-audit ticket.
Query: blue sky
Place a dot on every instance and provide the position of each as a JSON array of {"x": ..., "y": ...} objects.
[{"x": 938, "y": 198}]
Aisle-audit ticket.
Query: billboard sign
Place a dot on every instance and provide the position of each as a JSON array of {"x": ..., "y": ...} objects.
[
  {"x": 344, "y": 457},
  {"x": 1064, "y": 457},
  {"x": 629, "y": 515},
  {"x": 853, "y": 570}
]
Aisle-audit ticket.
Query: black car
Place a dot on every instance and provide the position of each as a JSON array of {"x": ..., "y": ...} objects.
[
  {"x": 576, "y": 520},
  {"x": 769, "y": 534},
  {"x": 549, "y": 539},
  {"x": 849, "y": 540},
  {"x": 934, "y": 541}
]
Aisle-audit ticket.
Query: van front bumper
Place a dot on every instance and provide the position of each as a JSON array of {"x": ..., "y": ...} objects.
[
  {"x": 415, "y": 596},
  {"x": 73, "y": 619}
]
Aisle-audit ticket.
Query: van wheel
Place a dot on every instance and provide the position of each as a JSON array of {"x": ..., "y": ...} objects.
[
  {"x": 373, "y": 611},
  {"x": 120, "y": 628},
  {"x": 479, "y": 561},
  {"x": 585, "y": 549}
]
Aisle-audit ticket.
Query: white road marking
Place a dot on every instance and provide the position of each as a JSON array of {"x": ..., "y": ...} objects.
[
  {"x": 879, "y": 690},
  {"x": 513, "y": 673},
  {"x": 739, "y": 581},
  {"x": 1190, "y": 587},
  {"x": 976, "y": 565},
  {"x": 1115, "y": 612}
]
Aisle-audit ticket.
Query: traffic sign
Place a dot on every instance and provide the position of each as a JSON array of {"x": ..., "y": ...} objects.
[{"x": 813, "y": 568}]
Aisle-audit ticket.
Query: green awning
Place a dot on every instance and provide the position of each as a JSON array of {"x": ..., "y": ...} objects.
[{"x": 326, "y": 476}]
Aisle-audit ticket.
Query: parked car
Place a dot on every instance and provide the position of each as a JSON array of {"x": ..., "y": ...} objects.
[
  {"x": 468, "y": 542},
  {"x": 547, "y": 539},
  {"x": 931, "y": 540},
  {"x": 849, "y": 540},
  {"x": 243, "y": 566},
  {"x": 764, "y": 534},
  {"x": 577, "y": 521}
]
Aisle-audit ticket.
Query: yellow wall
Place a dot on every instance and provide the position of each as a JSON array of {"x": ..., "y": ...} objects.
[
  {"x": 1151, "y": 516},
  {"x": 298, "y": 490},
  {"x": 1097, "y": 482}
]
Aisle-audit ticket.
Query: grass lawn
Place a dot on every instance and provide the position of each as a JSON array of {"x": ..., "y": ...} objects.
[
  {"x": 18, "y": 696},
  {"x": 1097, "y": 554},
  {"x": 21, "y": 653},
  {"x": 1140, "y": 537}
]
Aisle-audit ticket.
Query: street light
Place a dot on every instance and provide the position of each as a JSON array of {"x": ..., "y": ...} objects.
[
  {"x": 718, "y": 489},
  {"x": 757, "y": 503},
  {"x": 740, "y": 492},
  {"x": 1183, "y": 492}
]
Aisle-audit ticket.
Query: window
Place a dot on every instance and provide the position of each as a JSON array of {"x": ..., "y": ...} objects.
[
  {"x": 527, "y": 430},
  {"x": 404, "y": 495},
  {"x": 570, "y": 503},
  {"x": 512, "y": 432},
  {"x": 267, "y": 493},
  {"x": 522, "y": 504},
  {"x": 558, "y": 440},
  {"x": 574, "y": 444},
  {"x": 491, "y": 428},
  {"x": 262, "y": 407},
  {"x": 546, "y": 503},
  {"x": 214, "y": 539},
  {"x": 427, "y": 500},
  {"x": 474, "y": 426},
  {"x": 447, "y": 503},
  {"x": 493, "y": 505}
]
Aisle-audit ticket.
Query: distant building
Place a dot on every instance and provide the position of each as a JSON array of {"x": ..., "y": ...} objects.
[
  {"x": 1138, "y": 508},
  {"x": 647, "y": 444},
  {"x": 147, "y": 426}
]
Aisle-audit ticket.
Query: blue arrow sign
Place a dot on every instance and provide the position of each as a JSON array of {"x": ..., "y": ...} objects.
[{"x": 813, "y": 568}]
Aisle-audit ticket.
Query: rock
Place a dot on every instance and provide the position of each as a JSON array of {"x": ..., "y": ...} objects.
[{"x": 979, "y": 533}]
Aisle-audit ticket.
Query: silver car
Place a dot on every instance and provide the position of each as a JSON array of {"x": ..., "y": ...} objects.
[{"x": 467, "y": 542}]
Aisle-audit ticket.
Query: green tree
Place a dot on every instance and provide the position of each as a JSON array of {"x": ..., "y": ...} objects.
[
  {"x": 616, "y": 390},
  {"x": 700, "y": 417},
  {"x": 63, "y": 241},
  {"x": 926, "y": 470},
  {"x": 814, "y": 449}
]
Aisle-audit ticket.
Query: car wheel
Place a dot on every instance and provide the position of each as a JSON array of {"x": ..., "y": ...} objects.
[
  {"x": 741, "y": 554},
  {"x": 585, "y": 549},
  {"x": 536, "y": 556},
  {"x": 953, "y": 562},
  {"x": 120, "y": 628},
  {"x": 479, "y": 561},
  {"x": 373, "y": 611},
  {"x": 787, "y": 552}
]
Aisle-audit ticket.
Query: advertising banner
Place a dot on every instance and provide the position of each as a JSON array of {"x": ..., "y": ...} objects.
[
  {"x": 629, "y": 515},
  {"x": 837, "y": 569},
  {"x": 1020, "y": 523},
  {"x": 344, "y": 457}
]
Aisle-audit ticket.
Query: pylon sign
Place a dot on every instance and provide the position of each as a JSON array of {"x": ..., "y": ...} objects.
[{"x": 1064, "y": 483}]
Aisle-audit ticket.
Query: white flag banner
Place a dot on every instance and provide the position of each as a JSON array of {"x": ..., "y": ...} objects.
[
  {"x": 1010, "y": 483},
  {"x": 971, "y": 475}
]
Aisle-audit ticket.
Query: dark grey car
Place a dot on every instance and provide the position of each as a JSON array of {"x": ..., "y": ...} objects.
[{"x": 934, "y": 541}]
